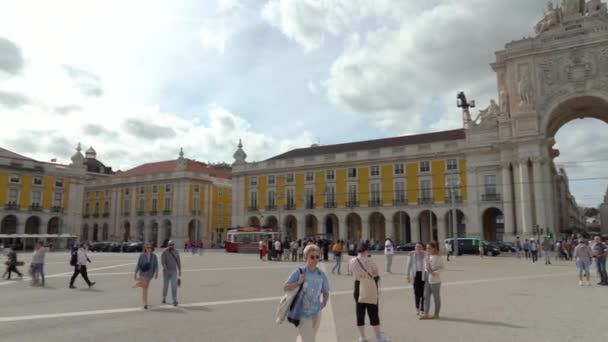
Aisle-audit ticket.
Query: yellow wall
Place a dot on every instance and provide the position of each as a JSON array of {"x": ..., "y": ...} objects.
[
  {"x": 261, "y": 192},
  {"x": 299, "y": 190},
  {"x": 386, "y": 174},
  {"x": 25, "y": 199},
  {"x": 340, "y": 187},
  {"x": 247, "y": 202},
  {"x": 438, "y": 175},
  {"x": 66, "y": 193},
  {"x": 214, "y": 212},
  {"x": 363, "y": 187},
  {"x": 413, "y": 190},
  {"x": 3, "y": 187},
  {"x": 280, "y": 195},
  {"x": 102, "y": 200},
  {"x": 319, "y": 189},
  {"x": 48, "y": 182},
  {"x": 462, "y": 167}
]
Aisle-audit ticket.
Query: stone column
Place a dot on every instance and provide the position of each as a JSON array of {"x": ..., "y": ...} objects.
[
  {"x": 342, "y": 227},
  {"x": 525, "y": 201},
  {"x": 474, "y": 226},
  {"x": 415, "y": 227},
  {"x": 550, "y": 207},
  {"x": 301, "y": 227},
  {"x": 441, "y": 232},
  {"x": 507, "y": 202},
  {"x": 389, "y": 229},
  {"x": 365, "y": 229},
  {"x": 539, "y": 186}
]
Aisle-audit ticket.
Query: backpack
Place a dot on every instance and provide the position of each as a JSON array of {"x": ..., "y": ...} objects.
[{"x": 74, "y": 258}]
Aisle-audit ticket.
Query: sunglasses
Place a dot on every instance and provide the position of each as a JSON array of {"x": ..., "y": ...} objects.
[{"x": 314, "y": 257}]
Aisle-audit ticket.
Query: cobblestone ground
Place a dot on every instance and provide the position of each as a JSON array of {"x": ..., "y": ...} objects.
[{"x": 233, "y": 297}]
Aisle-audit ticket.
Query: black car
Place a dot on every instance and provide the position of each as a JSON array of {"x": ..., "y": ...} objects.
[
  {"x": 504, "y": 246},
  {"x": 471, "y": 246},
  {"x": 132, "y": 247},
  {"x": 98, "y": 246}
]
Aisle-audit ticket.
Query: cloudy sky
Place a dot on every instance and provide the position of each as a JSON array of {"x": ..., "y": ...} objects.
[{"x": 140, "y": 79}]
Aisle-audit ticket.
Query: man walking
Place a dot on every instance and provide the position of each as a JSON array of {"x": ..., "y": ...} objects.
[
  {"x": 546, "y": 246},
  {"x": 81, "y": 267},
  {"x": 172, "y": 269},
  {"x": 389, "y": 250},
  {"x": 518, "y": 248},
  {"x": 600, "y": 251},
  {"x": 37, "y": 264},
  {"x": 526, "y": 249},
  {"x": 12, "y": 264}
]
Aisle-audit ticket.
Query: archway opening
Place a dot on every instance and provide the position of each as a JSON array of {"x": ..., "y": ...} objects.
[
  {"x": 460, "y": 226},
  {"x": 402, "y": 229},
  {"x": 428, "y": 226},
  {"x": 377, "y": 227},
  {"x": 166, "y": 233},
  {"x": 53, "y": 226},
  {"x": 291, "y": 227},
  {"x": 84, "y": 234},
  {"x": 105, "y": 232},
  {"x": 153, "y": 234},
  {"x": 253, "y": 221},
  {"x": 493, "y": 224},
  {"x": 9, "y": 226},
  {"x": 353, "y": 227},
  {"x": 126, "y": 231},
  {"x": 332, "y": 228},
  {"x": 95, "y": 232},
  {"x": 311, "y": 225},
  {"x": 139, "y": 231},
  {"x": 194, "y": 231},
  {"x": 272, "y": 222}
]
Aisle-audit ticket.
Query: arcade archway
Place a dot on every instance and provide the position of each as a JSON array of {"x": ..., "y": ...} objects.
[
  {"x": 377, "y": 227},
  {"x": 402, "y": 229},
  {"x": 353, "y": 227},
  {"x": 493, "y": 224},
  {"x": 428, "y": 226},
  {"x": 291, "y": 227},
  {"x": 253, "y": 221},
  {"x": 272, "y": 222},
  {"x": 332, "y": 228},
  {"x": 312, "y": 225}
]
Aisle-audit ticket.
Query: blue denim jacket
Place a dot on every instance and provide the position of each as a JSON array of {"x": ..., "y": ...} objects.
[{"x": 143, "y": 260}]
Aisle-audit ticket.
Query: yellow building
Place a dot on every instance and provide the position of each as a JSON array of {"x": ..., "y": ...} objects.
[
  {"x": 40, "y": 199},
  {"x": 361, "y": 190},
  {"x": 180, "y": 199}
]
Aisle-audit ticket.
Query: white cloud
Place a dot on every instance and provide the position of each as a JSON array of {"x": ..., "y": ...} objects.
[
  {"x": 227, "y": 5},
  {"x": 213, "y": 38}
]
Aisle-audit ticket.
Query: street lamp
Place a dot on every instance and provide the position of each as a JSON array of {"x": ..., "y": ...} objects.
[{"x": 452, "y": 190}]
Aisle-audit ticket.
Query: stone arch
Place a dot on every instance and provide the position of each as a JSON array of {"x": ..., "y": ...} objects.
[
  {"x": 402, "y": 227},
  {"x": 575, "y": 106},
  {"x": 9, "y": 225},
  {"x": 291, "y": 227},
  {"x": 461, "y": 229},
  {"x": 105, "y": 232},
  {"x": 32, "y": 225},
  {"x": 272, "y": 222},
  {"x": 312, "y": 225},
  {"x": 194, "y": 230},
  {"x": 353, "y": 227},
  {"x": 84, "y": 234},
  {"x": 377, "y": 227},
  {"x": 493, "y": 224},
  {"x": 53, "y": 225},
  {"x": 140, "y": 233},
  {"x": 126, "y": 229},
  {"x": 166, "y": 232},
  {"x": 153, "y": 233},
  {"x": 253, "y": 221},
  {"x": 428, "y": 226},
  {"x": 95, "y": 236},
  {"x": 332, "y": 226}
]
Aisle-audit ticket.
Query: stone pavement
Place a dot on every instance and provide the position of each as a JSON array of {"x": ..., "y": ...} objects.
[{"x": 233, "y": 297}]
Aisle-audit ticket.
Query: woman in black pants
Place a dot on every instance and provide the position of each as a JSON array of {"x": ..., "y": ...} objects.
[{"x": 415, "y": 269}]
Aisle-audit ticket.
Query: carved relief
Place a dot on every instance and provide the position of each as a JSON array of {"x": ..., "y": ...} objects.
[{"x": 525, "y": 89}]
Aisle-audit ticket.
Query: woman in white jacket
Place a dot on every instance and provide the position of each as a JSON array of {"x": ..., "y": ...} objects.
[{"x": 433, "y": 266}]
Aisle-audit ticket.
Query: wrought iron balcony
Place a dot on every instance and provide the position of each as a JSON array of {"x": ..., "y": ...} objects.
[
  {"x": 11, "y": 206},
  {"x": 271, "y": 207},
  {"x": 425, "y": 200},
  {"x": 126, "y": 213},
  {"x": 352, "y": 204},
  {"x": 457, "y": 199},
  {"x": 375, "y": 203},
  {"x": 56, "y": 209},
  {"x": 35, "y": 207},
  {"x": 153, "y": 212},
  {"x": 252, "y": 208},
  {"x": 196, "y": 212},
  {"x": 140, "y": 213},
  {"x": 290, "y": 206},
  {"x": 166, "y": 212},
  {"x": 400, "y": 202},
  {"x": 106, "y": 214},
  {"x": 331, "y": 204},
  {"x": 96, "y": 215},
  {"x": 490, "y": 197},
  {"x": 310, "y": 205},
  {"x": 86, "y": 215}
]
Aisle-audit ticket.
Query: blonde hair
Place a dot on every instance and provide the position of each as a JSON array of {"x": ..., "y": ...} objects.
[{"x": 311, "y": 248}]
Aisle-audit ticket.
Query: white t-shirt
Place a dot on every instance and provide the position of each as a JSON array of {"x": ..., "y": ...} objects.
[
  {"x": 389, "y": 249},
  {"x": 448, "y": 247},
  {"x": 277, "y": 245}
]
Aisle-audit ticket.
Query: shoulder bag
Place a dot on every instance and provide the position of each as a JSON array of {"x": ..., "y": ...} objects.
[
  {"x": 179, "y": 280},
  {"x": 297, "y": 306},
  {"x": 368, "y": 288}
]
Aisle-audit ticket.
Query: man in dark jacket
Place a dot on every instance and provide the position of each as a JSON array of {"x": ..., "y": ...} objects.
[{"x": 12, "y": 264}]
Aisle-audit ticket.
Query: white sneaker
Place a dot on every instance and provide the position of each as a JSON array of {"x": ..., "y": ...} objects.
[
  {"x": 580, "y": 283},
  {"x": 382, "y": 339},
  {"x": 362, "y": 339}
]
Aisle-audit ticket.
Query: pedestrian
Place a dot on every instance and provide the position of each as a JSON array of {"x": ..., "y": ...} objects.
[
  {"x": 293, "y": 246},
  {"x": 314, "y": 283},
  {"x": 261, "y": 245},
  {"x": 526, "y": 249},
  {"x": 481, "y": 249},
  {"x": 193, "y": 248},
  {"x": 271, "y": 251},
  {"x": 517, "y": 246},
  {"x": 300, "y": 250},
  {"x": 337, "y": 250},
  {"x": 145, "y": 270},
  {"x": 264, "y": 252},
  {"x": 81, "y": 266},
  {"x": 37, "y": 264},
  {"x": 186, "y": 246},
  {"x": 415, "y": 270},
  {"x": 583, "y": 256},
  {"x": 432, "y": 267},
  {"x": 286, "y": 247},
  {"x": 172, "y": 271},
  {"x": 200, "y": 247},
  {"x": 546, "y": 247},
  {"x": 12, "y": 264},
  {"x": 600, "y": 251},
  {"x": 389, "y": 251},
  {"x": 278, "y": 249},
  {"x": 448, "y": 250},
  {"x": 325, "y": 250},
  {"x": 366, "y": 275},
  {"x": 534, "y": 250}
]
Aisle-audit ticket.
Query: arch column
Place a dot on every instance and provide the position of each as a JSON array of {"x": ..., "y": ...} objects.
[
  {"x": 342, "y": 227},
  {"x": 365, "y": 229},
  {"x": 441, "y": 231},
  {"x": 507, "y": 202},
  {"x": 539, "y": 200},
  {"x": 524, "y": 197},
  {"x": 301, "y": 227},
  {"x": 389, "y": 227},
  {"x": 415, "y": 225}
]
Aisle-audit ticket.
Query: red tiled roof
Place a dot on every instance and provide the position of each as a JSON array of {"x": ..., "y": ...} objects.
[
  {"x": 456, "y": 134},
  {"x": 4, "y": 153},
  {"x": 169, "y": 166}
]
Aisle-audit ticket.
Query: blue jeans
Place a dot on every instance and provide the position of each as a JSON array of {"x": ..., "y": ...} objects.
[
  {"x": 547, "y": 256},
  {"x": 338, "y": 263},
  {"x": 601, "y": 269},
  {"x": 38, "y": 273},
  {"x": 170, "y": 277}
]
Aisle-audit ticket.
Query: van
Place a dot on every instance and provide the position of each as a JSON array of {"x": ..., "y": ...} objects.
[{"x": 471, "y": 246}]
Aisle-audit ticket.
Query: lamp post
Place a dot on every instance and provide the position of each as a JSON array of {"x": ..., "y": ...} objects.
[{"x": 452, "y": 190}]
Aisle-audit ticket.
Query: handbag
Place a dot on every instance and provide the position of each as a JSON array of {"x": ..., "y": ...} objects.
[
  {"x": 297, "y": 306},
  {"x": 368, "y": 288}
]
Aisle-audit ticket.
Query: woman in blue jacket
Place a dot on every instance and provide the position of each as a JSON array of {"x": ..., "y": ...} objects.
[{"x": 146, "y": 269}]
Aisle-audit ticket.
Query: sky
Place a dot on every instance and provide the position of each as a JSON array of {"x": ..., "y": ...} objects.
[{"x": 138, "y": 79}]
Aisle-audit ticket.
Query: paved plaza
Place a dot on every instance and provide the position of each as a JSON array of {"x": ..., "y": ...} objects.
[{"x": 233, "y": 297}]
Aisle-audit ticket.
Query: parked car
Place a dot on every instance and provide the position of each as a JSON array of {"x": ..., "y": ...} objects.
[
  {"x": 471, "y": 246},
  {"x": 132, "y": 247},
  {"x": 98, "y": 246},
  {"x": 504, "y": 246}
]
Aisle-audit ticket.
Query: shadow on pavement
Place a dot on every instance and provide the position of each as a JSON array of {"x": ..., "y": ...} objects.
[
  {"x": 475, "y": 321},
  {"x": 198, "y": 308}
]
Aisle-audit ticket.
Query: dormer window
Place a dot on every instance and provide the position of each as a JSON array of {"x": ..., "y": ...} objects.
[
  {"x": 14, "y": 179},
  {"x": 37, "y": 180},
  {"x": 59, "y": 183}
]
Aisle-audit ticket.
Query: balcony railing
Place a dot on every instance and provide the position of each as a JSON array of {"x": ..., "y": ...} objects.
[
  {"x": 35, "y": 207},
  {"x": 166, "y": 212},
  {"x": 153, "y": 212},
  {"x": 490, "y": 197},
  {"x": 271, "y": 207},
  {"x": 352, "y": 204},
  {"x": 330, "y": 204},
  {"x": 425, "y": 200},
  {"x": 400, "y": 202},
  {"x": 252, "y": 208},
  {"x": 140, "y": 213},
  {"x": 56, "y": 209},
  {"x": 310, "y": 205},
  {"x": 126, "y": 213},
  {"x": 290, "y": 206},
  {"x": 96, "y": 215},
  {"x": 457, "y": 199},
  {"x": 196, "y": 212},
  {"x": 106, "y": 214},
  {"x": 86, "y": 215},
  {"x": 11, "y": 206},
  {"x": 375, "y": 203}
]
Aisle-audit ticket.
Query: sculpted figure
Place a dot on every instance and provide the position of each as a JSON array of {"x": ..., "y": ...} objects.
[
  {"x": 596, "y": 8},
  {"x": 524, "y": 88},
  {"x": 490, "y": 112},
  {"x": 550, "y": 19},
  {"x": 504, "y": 100}
]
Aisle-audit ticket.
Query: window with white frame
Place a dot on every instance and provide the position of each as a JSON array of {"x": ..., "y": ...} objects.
[
  {"x": 96, "y": 195},
  {"x": 352, "y": 193},
  {"x": 289, "y": 178},
  {"x": 219, "y": 191},
  {"x": 220, "y": 212},
  {"x": 352, "y": 172},
  {"x": 106, "y": 207},
  {"x": 37, "y": 180},
  {"x": 196, "y": 203},
  {"x": 154, "y": 189},
  {"x": 398, "y": 169},
  {"x": 253, "y": 181},
  {"x": 167, "y": 187},
  {"x": 425, "y": 166},
  {"x": 425, "y": 189},
  {"x": 309, "y": 197},
  {"x": 142, "y": 190},
  {"x": 142, "y": 204},
  {"x": 167, "y": 203},
  {"x": 36, "y": 197},
  {"x": 86, "y": 208},
  {"x": 374, "y": 171},
  {"x": 330, "y": 194},
  {"x": 489, "y": 183},
  {"x": 253, "y": 199},
  {"x": 197, "y": 188},
  {"x": 126, "y": 205},
  {"x": 271, "y": 180},
  {"x": 375, "y": 192},
  {"x": 107, "y": 193},
  {"x": 14, "y": 179},
  {"x": 330, "y": 174},
  {"x": 126, "y": 191},
  {"x": 310, "y": 176},
  {"x": 289, "y": 198},
  {"x": 154, "y": 204},
  {"x": 13, "y": 195},
  {"x": 271, "y": 199},
  {"x": 59, "y": 183},
  {"x": 452, "y": 164},
  {"x": 96, "y": 208},
  {"x": 452, "y": 182},
  {"x": 400, "y": 192}
]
